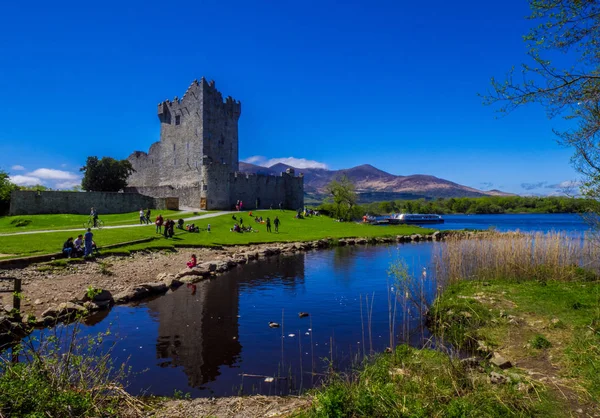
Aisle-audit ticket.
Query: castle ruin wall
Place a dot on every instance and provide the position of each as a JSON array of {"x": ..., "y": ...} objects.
[{"x": 43, "y": 202}]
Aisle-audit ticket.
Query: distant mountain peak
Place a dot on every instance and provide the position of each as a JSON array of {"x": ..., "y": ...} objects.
[{"x": 376, "y": 184}]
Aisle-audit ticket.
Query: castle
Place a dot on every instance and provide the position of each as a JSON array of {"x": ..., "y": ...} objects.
[{"x": 196, "y": 159}]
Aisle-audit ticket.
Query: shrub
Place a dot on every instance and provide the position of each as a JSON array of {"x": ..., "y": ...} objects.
[
  {"x": 540, "y": 342},
  {"x": 62, "y": 375}
]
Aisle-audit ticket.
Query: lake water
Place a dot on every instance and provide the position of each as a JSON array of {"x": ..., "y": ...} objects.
[
  {"x": 564, "y": 222},
  {"x": 207, "y": 340}
]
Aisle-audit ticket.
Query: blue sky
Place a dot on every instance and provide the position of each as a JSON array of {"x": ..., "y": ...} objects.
[{"x": 388, "y": 83}]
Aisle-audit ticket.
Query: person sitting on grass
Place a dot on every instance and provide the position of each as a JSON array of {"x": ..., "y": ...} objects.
[
  {"x": 68, "y": 247},
  {"x": 78, "y": 246},
  {"x": 193, "y": 262},
  {"x": 180, "y": 223}
]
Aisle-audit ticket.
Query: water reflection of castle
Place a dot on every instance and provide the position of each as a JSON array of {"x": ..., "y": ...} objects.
[{"x": 200, "y": 332}]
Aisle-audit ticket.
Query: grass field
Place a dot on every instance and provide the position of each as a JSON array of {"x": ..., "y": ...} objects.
[
  {"x": 290, "y": 230},
  {"x": 9, "y": 224}
]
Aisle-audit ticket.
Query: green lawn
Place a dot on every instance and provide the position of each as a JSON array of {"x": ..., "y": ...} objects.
[
  {"x": 291, "y": 229},
  {"x": 9, "y": 224}
]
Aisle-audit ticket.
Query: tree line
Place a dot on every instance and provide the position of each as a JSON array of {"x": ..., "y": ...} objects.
[{"x": 485, "y": 205}]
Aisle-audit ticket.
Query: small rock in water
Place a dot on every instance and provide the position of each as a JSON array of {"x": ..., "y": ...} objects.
[
  {"x": 269, "y": 379},
  {"x": 291, "y": 335}
]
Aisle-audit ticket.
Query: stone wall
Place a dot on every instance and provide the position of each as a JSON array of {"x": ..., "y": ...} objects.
[
  {"x": 187, "y": 196},
  {"x": 271, "y": 190},
  {"x": 34, "y": 203}
]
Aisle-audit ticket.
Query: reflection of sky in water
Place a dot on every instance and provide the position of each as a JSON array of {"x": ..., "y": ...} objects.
[{"x": 202, "y": 342}]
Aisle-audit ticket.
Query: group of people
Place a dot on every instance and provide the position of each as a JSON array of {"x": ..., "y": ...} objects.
[
  {"x": 276, "y": 223},
  {"x": 168, "y": 224},
  {"x": 239, "y": 205},
  {"x": 145, "y": 216},
  {"x": 195, "y": 228},
  {"x": 84, "y": 245},
  {"x": 239, "y": 225}
]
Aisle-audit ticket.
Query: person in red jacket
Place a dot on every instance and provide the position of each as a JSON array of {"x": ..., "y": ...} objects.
[
  {"x": 193, "y": 262},
  {"x": 159, "y": 223}
]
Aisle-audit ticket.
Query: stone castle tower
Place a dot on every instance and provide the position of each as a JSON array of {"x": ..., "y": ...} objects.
[{"x": 196, "y": 158}]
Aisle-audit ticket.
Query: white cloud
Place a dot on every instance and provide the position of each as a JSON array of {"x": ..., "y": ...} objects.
[
  {"x": 17, "y": 168},
  {"x": 25, "y": 180},
  {"x": 67, "y": 184},
  {"x": 256, "y": 159},
  {"x": 51, "y": 174},
  {"x": 291, "y": 161}
]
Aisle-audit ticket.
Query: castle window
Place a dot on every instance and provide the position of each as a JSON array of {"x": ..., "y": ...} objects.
[
  {"x": 173, "y": 147},
  {"x": 178, "y": 120},
  {"x": 204, "y": 187}
]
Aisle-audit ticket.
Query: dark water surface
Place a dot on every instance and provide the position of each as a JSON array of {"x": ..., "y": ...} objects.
[{"x": 201, "y": 341}]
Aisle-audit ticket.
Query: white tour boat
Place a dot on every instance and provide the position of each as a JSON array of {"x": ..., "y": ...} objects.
[{"x": 415, "y": 218}]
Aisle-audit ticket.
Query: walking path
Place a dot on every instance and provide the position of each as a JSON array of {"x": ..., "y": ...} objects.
[{"x": 193, "y": 218}]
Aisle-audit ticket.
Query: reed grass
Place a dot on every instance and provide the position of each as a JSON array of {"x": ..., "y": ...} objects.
[{"x": 550, "y": 256}]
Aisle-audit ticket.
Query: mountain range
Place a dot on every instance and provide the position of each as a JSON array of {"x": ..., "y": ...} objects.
[{"x": 374, "y": 184}]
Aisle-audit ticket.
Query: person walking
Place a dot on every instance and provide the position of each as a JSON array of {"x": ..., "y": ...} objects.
[
  {"x": 142, "y": 216},
  {"x": 148, "y": 216},
  {"x": 276, "y": 222},
  {"x": 94, "y": 215},
  {"x": 208, "y": 228},
  {"x": 281, "y": 206},
  {"x": 268, "y": 224},
  {"x": 159, "y": 223},
  {"x": 87, "y": 239},
  {"x": 241, "y": 206}
]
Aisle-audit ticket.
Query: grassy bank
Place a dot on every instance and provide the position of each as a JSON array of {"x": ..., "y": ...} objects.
[
  {"x": 11, "y": 224},
  {"x": 290, "y": 230},
  {"x": 423, "y": 383}
]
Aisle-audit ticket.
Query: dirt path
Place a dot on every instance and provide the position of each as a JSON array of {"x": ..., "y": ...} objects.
[
  {"x": 543, "y": 366},
  {"x": 242, "y": 407}
]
